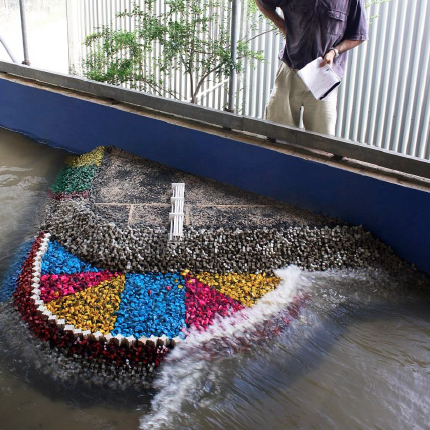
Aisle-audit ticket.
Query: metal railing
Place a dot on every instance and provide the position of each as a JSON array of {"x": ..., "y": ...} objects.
[{"x": 384, "y": 100}]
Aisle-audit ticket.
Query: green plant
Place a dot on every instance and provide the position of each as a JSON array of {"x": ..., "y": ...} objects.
[
  {"x": 191, "y": 36},
  {"x": 371, "y": 3}
]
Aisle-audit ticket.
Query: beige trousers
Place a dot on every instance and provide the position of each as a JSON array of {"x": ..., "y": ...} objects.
[{"x": 290, "y": 94}]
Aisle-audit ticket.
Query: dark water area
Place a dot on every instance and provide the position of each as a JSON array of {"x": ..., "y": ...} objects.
[
  {"x": 26, "y": 171},
  {"x": 355, "y": 356}
]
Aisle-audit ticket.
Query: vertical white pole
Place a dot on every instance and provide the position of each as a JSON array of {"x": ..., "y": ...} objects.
[{"x": 24, "y": 33}]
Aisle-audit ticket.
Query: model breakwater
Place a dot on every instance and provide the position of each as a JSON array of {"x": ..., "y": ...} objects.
[{"x": 116, "y": 300}]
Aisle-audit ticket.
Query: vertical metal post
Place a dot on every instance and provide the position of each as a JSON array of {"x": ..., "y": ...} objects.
[
  {"x": 233, "y": 42},
  {"x": 70, "y": 11},
  {"x": 24, "y": 33}
]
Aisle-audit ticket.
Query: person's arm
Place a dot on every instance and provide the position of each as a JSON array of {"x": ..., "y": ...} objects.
[
  {"x": 343, "y": 46},
  {"x": 355, "y": 32},
  {"x": 271, "y": 14}
]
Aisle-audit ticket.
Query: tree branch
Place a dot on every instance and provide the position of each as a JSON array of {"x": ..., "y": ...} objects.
[
  {"x": 202, "y": 79},
  {"x": 191, "y": 86},
  {"x": 258, "y": 35},
  {"x": 159, "y": 89}
]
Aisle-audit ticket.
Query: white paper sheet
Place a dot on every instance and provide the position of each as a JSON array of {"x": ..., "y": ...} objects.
[{"x": 320, "y": 80}]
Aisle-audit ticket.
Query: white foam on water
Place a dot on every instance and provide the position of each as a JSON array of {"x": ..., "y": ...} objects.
[{"x": 185, "y": 366}]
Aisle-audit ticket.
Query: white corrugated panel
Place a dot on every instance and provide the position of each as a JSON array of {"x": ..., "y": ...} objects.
[{"x": 384, "y": 99}]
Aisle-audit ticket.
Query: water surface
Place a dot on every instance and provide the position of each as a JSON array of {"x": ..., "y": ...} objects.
[{"x": 355, "y": 356}]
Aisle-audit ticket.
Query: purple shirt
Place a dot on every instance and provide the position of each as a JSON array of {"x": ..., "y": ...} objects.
[{"x": 315, "y": 26}]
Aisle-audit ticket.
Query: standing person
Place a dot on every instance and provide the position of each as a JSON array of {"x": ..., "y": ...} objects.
[{"x": 312, "y": 29}]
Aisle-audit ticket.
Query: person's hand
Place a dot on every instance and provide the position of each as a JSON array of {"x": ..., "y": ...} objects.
[{"x": 328, "y": 59}]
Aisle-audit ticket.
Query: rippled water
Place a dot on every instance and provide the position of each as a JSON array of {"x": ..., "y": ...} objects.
[
  {"x": 353, "y": 354},
  {"x": 26, "y": 170}
]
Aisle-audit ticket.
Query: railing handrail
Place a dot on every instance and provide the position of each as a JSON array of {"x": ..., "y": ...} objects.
[{"x": 284, "y": 134}]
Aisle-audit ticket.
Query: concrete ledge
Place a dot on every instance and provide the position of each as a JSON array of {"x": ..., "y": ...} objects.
[
  {"x": 174, "y": 107},
  {"x": 332, "y": 145}
]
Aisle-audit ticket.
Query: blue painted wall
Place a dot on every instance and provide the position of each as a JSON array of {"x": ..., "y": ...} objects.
[{"x": 398, "y": 215}]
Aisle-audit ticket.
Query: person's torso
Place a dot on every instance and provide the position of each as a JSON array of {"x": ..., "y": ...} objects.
[{"x": 312, "y": 28}]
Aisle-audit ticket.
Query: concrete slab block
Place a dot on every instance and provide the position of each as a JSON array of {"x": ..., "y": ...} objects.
[
  {"x": 152, "y": 216},
  {"x": 119, "y": 214},
  {"x": 130, "y": 179},
  {"x": 250, "y": 217}
]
